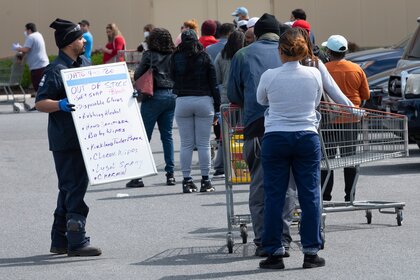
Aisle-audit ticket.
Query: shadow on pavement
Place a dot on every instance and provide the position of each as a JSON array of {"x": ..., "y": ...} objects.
[
  {"x": 208, "y": 255},
  {"x": 206, "y": 230},
  {"x": 217, "y": 275},
  {"x": 201, "y": 255},
  {"x": 395, "y": 169},
  {"x": 224, "y": 204},
  {"x": 340, "y": 228},
  {"x": 37, "y": 260}
]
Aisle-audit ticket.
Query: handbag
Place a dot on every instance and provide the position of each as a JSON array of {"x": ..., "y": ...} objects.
[{"x": 144, "y": 84}]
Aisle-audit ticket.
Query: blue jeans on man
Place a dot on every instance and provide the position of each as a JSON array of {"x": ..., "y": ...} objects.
[{"x": 299, "y": 152}]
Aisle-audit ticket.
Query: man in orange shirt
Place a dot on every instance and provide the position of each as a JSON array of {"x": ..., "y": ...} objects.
[{"x": 353, "y": 83}]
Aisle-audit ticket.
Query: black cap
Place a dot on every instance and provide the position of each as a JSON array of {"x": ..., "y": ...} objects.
[
  {"x": 283, "y": 27},
  {"x": 65, "y": 32},
  {"x": 266, "y": 24},
  {"x": 189, "y": 36},
  {"x": 84, "y": 22}
]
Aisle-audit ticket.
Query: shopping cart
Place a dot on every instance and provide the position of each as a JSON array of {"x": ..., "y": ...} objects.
[
  {"x": 236, "y": 169},
  {"x": 132, "y": 58},
  {"x": 351, "y": 137},
  {"x": 11, "y": 76}
]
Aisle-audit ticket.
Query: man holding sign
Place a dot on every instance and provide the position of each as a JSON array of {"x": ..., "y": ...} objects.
[{"x": 68, "y": 235}]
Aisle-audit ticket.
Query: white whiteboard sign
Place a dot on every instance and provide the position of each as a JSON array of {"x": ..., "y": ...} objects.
[{"x": 108, "y": 123}]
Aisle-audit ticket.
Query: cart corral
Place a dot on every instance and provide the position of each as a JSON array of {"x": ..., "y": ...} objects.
[{"x": 11, "y": 77}]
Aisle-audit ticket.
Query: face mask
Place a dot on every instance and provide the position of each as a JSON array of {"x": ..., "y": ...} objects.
[
  {"x": 236, "y": 20},
  {"x": 25, "y": 33},
  {"x": 146, "y": 34}
]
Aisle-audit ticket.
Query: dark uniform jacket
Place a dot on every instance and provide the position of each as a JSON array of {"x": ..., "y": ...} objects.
[{"x": 61, "y": 131}]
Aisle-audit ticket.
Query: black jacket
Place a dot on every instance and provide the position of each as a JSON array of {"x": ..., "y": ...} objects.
[
  {"x": 160, "y": 65},
  {"x": 196, "y": 79}
]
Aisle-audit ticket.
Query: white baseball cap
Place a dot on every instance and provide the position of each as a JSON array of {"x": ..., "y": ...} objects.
[
  {"x": 336, "y": 43},
  {"x": 242, "y": 22},
  {"x": 251, "y": 22}
]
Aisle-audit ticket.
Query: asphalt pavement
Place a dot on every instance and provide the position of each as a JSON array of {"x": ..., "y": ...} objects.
[{"x": 157, "y": 232}]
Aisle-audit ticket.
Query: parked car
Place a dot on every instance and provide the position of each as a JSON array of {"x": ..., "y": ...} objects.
[
  {"x": 408, "y": 64},
  {"x": 402, "y": 93},
  {"x": 411, "y": 53},
  {"x": 409, "y": 105},
  {"x": 396, "y": 85},
  {"x": 378, "y": 87},
  {"x": 378, "y": 60}
]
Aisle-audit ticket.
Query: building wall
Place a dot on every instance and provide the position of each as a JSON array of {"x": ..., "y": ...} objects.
[{"x": 365, "y": 22}]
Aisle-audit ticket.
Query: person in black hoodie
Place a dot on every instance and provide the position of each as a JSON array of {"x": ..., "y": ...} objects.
[
  {"x": 161, "y": 106},
  {"x": 197, "y": 106}
]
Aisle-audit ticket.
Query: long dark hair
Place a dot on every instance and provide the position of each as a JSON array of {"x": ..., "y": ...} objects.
[
  {"x": 160, "y": 40},
  {"x": 234, "y": 43},
  {"x": 189, "y": 44},
  {"x": 191, "y": 48}
]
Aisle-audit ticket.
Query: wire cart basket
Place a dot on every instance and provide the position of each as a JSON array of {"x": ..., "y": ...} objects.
[
  {"x": 236, "y": 169},
  {"x": 351, "y": 137},
  {"x": 132, "y": 58},
  {"x": 11, "y": 76}
]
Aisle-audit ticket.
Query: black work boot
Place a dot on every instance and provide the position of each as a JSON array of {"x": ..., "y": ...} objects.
[
  {"x": 188, "y": 186},
  {"x": 206, "y": 186},
  {"x": 135, "y": 183},
  {"x": 313, "y": 261},
  {"x": 273, "y": 262},
  {"x": 76, "y": 234},
  {"x": 58, "y": 250},
  {"x": 170, "y": 179},
  {"x": 87, "y": 251}
]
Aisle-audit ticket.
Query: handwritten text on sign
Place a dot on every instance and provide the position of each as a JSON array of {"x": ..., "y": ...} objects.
[{"x": 108, "y": 123}]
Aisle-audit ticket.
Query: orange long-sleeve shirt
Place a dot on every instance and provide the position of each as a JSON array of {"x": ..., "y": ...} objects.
[{"x": 351, "y": 80}]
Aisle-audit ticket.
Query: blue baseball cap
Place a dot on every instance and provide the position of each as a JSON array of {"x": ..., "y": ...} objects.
[{"x": 240, "y": 11}]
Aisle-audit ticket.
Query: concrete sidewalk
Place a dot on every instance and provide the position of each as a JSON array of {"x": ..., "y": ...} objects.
[{"x": 157, "y": 232}]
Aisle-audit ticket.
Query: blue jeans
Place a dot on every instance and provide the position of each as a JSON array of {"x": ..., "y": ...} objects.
[
  {"x": 299, "y": 152},
  {"x": 160, "y": 109},
  {"x": 252, "y": 156}
]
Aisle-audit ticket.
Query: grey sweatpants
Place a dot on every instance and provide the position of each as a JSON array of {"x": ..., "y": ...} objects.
[
  {"x": 194, "y": 116},
  {"x": 252, "y": 153}
]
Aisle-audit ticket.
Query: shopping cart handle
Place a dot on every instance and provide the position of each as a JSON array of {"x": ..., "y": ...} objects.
[{"x": 358, "y": 112}]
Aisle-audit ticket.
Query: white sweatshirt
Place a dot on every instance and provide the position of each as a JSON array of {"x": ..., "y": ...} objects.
[{"x": 292, "y": 93}]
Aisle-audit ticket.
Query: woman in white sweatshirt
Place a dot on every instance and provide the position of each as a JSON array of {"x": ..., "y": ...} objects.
[{"x": 291, "y": 144}]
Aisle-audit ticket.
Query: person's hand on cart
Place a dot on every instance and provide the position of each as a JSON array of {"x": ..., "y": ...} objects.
[{"x": 359, "y": 113}]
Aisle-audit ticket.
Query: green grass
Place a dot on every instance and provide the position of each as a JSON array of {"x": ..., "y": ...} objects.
[{"x": 6, "y": 63}]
